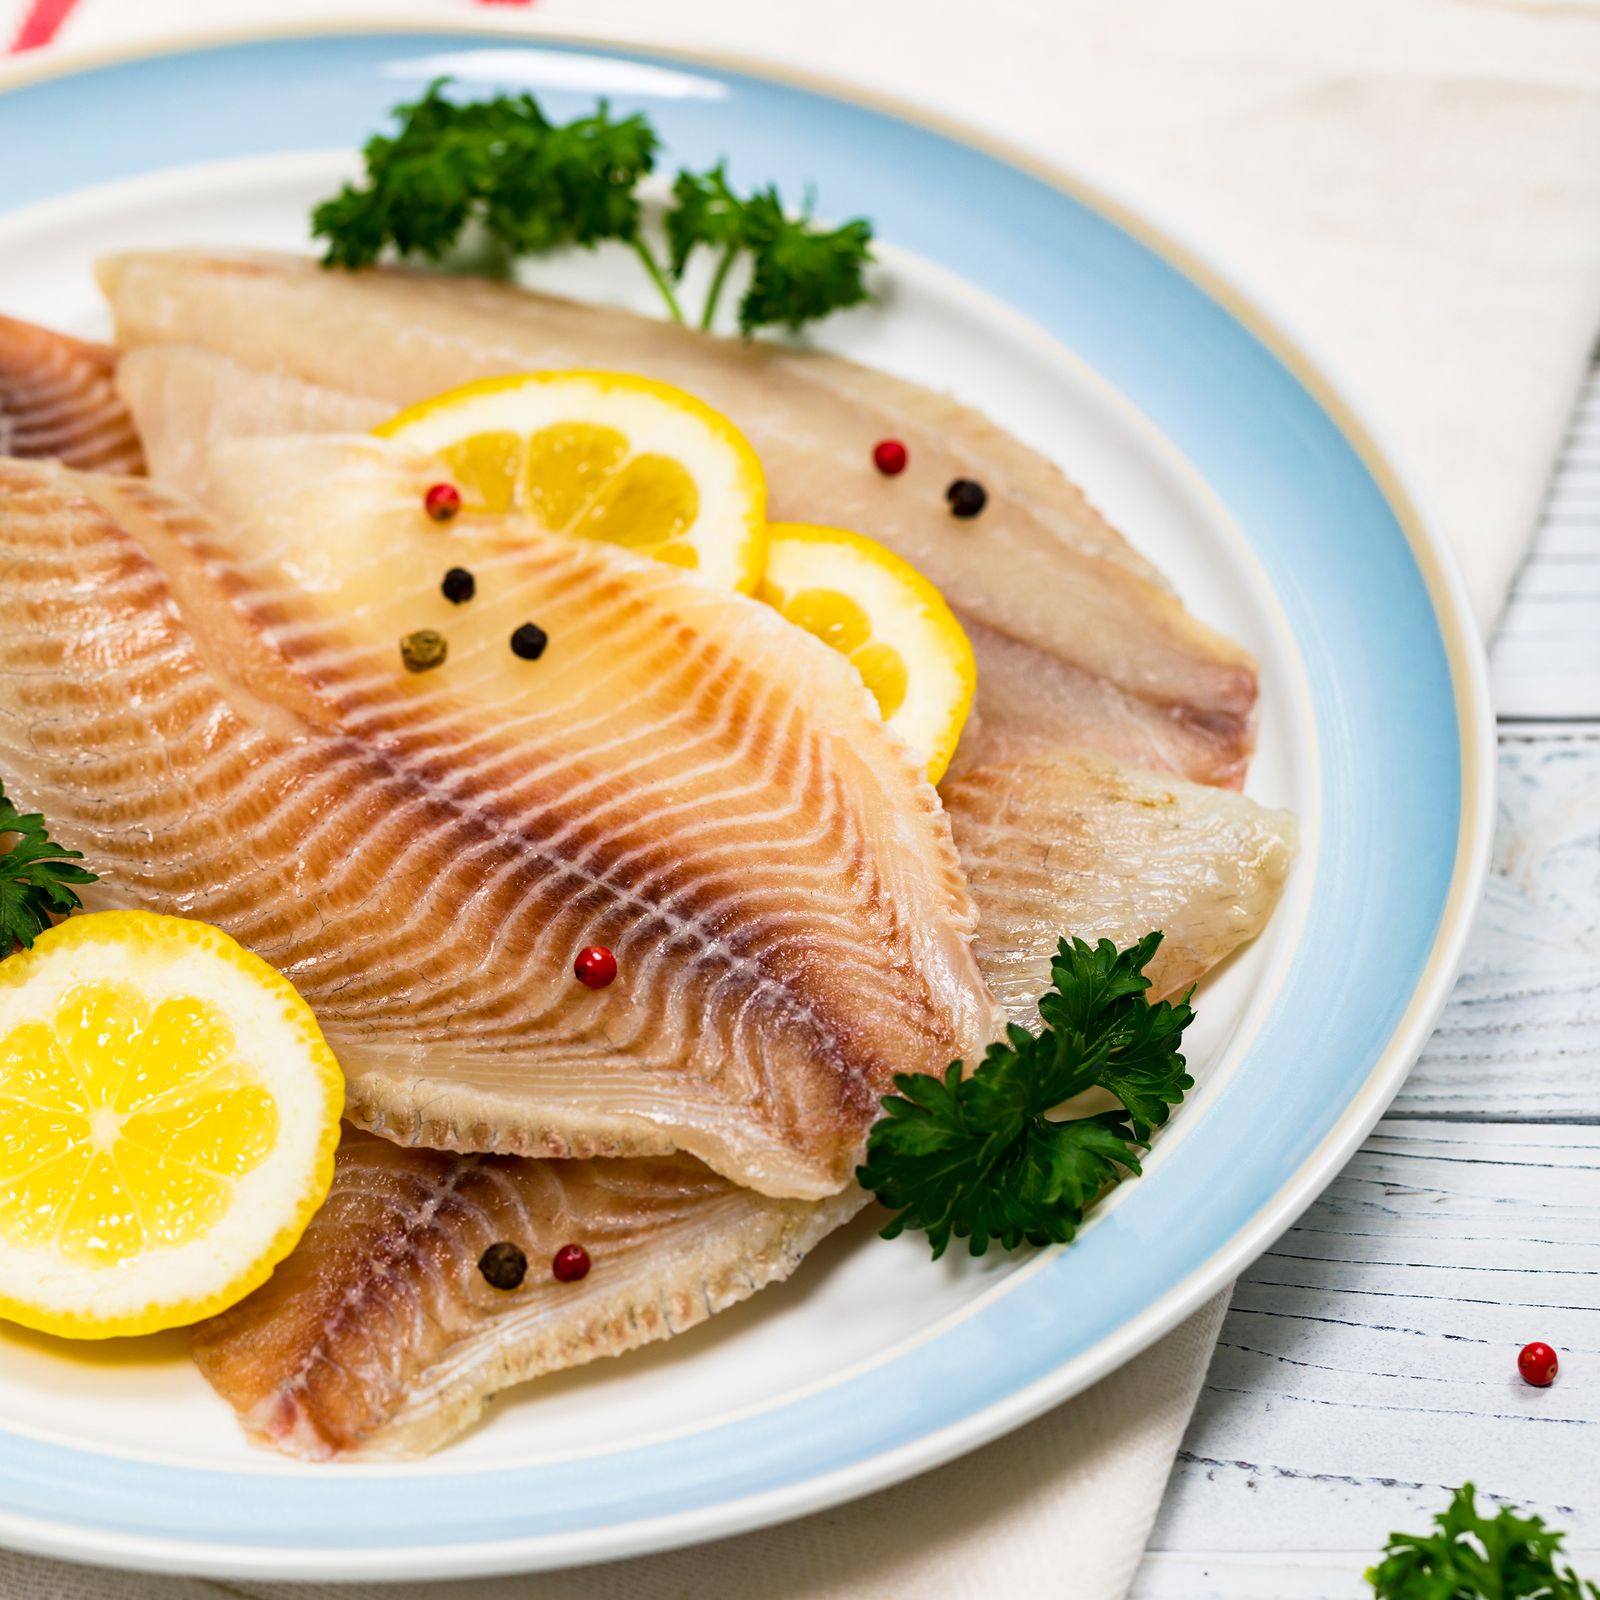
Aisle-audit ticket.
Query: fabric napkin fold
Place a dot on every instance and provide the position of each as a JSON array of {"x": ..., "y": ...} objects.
[
  {"x": 1056, "y": 1511},
  {"x": 1415, "y": 186}
]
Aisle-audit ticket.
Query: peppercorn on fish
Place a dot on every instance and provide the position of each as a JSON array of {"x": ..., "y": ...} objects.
[
  {"x": 217, "y": 714},
  {"x": 1063, "y": 615},
  {"x": 378, "y": 1335}
]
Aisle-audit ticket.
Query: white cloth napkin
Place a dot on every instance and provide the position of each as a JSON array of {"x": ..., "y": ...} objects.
[
  {"x": 1415, "y": 186},
  {"x": 1057, "y": 1511}
]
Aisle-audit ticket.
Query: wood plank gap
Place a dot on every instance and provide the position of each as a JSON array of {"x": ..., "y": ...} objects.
[{"x": 1508, "y": 1119}]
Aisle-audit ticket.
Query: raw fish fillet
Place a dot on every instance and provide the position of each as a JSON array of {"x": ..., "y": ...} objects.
[
  {"x": 221, "y": 722},
  {"x": 378, "y": 1335},
  {"x": 58, "y": 399},
  {"x": 1076, "y": 843},
  {"x": 186, "y": 401},
  {"x": 1051, "y": 595}
]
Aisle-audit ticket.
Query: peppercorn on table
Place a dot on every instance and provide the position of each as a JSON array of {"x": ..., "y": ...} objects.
[{"x": 1368, "y": 1362}]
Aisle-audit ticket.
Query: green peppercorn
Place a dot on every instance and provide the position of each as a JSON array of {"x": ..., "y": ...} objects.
[{"x": 423, "y": 650}]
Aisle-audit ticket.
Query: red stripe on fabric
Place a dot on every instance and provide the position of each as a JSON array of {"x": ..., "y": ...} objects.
[
  {"x": 42, "y": 24},
  {"x": 45, "y": 17}
]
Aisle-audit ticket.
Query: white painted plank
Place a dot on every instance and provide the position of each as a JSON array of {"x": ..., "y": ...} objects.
[
  {"x": 1212, "y": 1575},
  {"x": 1518, "y": 1038},
  {"x": 1367, "y": 1365},
  {"x": 1546, "y": 656}
]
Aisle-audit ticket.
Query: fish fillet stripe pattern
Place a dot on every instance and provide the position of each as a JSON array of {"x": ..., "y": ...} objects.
[
  {"x": 423, "y": 883},
  {"x": 58, "y": 399},
  {"x": 380, "y": 1337},
  {"x": 1059, "y": 607}
]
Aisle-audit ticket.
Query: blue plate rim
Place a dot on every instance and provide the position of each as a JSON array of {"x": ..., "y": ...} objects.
[{"x": 1467, "y": 672}]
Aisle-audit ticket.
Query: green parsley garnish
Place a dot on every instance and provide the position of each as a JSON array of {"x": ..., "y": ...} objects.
[
  {"x": 1474, "y": 1557},
  {"x": 34, "y": 875},
  {"x": 532, "y": 184},
  {"x": 799, "y": 272},
  {"x": 981, "y": 1158}
]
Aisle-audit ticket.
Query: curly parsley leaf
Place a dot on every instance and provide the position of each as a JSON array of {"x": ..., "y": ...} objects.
[
  {"x": 1476, "y": 1557},
  {"x": 705, "y": 211},
  {"x": 34, "y": 877},
  {"x": 531, "y": 183},
  {"x": 981, "y": 1158},
  {"x": 580, "y": 186},
  {"x": 799, "y": 272}
]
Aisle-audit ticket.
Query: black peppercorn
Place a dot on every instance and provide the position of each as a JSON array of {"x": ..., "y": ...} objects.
[
  {"x": 966, "y": 498},
  {"x": 503, "y": 1265},
  {"x": 529, "y": 641},
  {"x": 459, "y": 585}
]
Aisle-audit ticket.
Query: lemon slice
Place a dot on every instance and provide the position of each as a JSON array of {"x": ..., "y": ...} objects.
[
  {"x": 888, "y": 619},
  {"x": 168, "y": 1117},
  {"x": 603, "y": 455}
]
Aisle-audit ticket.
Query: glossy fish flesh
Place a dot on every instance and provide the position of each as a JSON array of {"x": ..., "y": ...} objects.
[
  {"x": 220, "y": 720},
  {"x": 58, "y": 400},
  {"x": 1077, "y": 844},
  {"x": 379, "y": 1336},
  {"x": 186, "y": 401},
  {"x": 1052, "y": 596}
]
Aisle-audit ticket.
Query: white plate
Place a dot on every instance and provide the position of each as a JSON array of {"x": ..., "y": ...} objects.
[{"x": 102, "y": 1451}]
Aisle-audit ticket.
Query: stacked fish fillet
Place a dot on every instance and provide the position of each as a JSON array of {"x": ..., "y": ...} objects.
[{"x": 197, "y": 687}]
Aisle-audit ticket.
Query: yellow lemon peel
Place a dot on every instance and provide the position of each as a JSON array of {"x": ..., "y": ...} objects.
[
  {"x": 603, "y": 455},
  {"x": 169, "y": 1112}
]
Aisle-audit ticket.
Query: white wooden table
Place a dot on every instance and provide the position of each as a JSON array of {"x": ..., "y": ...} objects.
[{"x": 1368, "y": 1363}]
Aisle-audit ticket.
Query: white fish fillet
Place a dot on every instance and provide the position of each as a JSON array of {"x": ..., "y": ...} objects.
[
  {"x": 683, "y": 777},
  {"x": 379, "y": 1336},
  {"x": 1049, "y": 592},
  {"x": 58, "y": 401},
  {"x": 1077, "y": 844},
  {"x": 185, "y": 401}
]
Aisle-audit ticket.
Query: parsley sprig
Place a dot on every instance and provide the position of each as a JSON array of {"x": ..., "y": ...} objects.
[
  {"x": 35, "y": 874},
  {"x": 1476, "y": 1557},
  {"x": 798, "y": 271},
  {"x": 533, "y": 184},
  {"x": 981, "y": 1158}
]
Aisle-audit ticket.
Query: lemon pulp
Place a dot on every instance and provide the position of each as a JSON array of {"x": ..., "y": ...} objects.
[
  {"x": 607, "y": 456},
  {"x": 887, "y": 620},
  {"x": 168, "y": 1116},
  {"x": 132, "y": 1120},
  {"x": 840, "y": 623}
]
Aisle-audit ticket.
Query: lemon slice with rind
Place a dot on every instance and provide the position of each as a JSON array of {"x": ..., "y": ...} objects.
[
  {"x": 603, "y": 455},
  {"x": 168, "y": 1117},
  {"x": 888, "y": 620}
]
